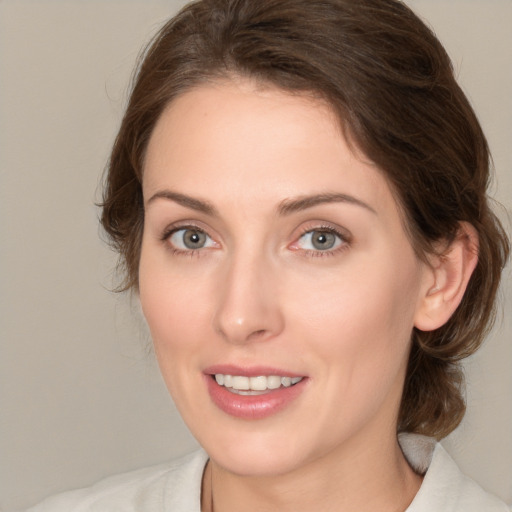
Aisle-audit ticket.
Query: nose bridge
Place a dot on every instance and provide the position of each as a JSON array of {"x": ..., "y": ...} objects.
[{"x": 248, "y": 305}]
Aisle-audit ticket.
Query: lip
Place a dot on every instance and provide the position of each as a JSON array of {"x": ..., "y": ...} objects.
[
  {"x": 252, "y": 407},
  {"x": 248, "y": 371}
]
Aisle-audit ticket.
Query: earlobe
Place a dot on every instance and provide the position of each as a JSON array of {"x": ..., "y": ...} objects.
[{"x": 449, "y": 272}]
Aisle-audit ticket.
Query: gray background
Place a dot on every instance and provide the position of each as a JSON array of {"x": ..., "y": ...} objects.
[{"x": 80, "y": 393}]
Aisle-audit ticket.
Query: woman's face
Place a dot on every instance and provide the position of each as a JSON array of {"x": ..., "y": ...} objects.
[{"x": 273, "y": 254}]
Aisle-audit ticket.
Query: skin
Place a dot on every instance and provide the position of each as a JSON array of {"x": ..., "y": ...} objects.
[{"x": 260, "y": 293}]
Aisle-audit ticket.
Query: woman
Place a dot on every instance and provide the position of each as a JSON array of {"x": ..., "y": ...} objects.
[{"x": 298, "y": 195}]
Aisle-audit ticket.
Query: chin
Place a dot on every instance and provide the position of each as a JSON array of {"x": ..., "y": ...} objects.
[
  {"x": 257, "y": 459},
  {"x": 262, "y": 449}
]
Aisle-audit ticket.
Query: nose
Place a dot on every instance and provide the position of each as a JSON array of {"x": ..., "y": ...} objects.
[{"x": 248, "y": 307}]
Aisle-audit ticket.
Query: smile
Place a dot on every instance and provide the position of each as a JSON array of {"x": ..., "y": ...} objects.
[
  {"x": 243, "y": 385},
  {"x": 253, "y": 393}
]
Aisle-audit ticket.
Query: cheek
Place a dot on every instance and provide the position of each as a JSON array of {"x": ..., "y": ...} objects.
[
  {"x": 173, "y": 312},
  {"x": 360, "y": 320},
  {"x": 171, "y": 305},
  {"x": 169, "y": 296},
  {"x": 363, "y": 296}
]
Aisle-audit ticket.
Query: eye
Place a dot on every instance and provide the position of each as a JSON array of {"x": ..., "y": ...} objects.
[
  {"x": 190, "y": 239},
  {"x": 319, "y": 240}
]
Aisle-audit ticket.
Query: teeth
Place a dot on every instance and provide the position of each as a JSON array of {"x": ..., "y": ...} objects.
[
  {"x": 241, "y": 383},
  {"x": 260, "y": 383},
  {"x": 273, "y": 382},
  {"x": 286, "y": 382}
]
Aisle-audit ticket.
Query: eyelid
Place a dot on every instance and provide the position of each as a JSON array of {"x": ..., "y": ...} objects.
[
  {"x": 343, "y": 234},
  {"x": 175, "y": 227},
  {"x": 186, "y": 223}
]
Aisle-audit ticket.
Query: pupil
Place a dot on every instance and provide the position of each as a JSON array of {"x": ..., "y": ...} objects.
[{"x": 323, "y": 240}]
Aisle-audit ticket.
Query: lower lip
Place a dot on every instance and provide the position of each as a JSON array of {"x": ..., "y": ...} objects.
[{"x": 253, "y": 407}]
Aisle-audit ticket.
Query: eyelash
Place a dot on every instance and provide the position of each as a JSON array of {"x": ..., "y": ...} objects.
[
  {"x": 167, "y": 234},
  {"x": 344, "y": 238}
]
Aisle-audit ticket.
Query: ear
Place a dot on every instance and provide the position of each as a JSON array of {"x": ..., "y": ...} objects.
[{"x": 447, "y": 279}]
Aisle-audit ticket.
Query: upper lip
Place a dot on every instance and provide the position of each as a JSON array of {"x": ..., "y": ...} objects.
[{"x": 249, "y": 371}]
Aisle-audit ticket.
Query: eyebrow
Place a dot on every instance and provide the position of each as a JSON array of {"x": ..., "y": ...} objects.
[
  {"x": 289, "y": 206},
  {"x": 184, "y": 200},
  {"x": 286, "y": 207}
]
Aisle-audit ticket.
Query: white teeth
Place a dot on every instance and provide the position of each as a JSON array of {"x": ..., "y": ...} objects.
[
  {"x": 241, "y": 383},
  {"x": 274, "y": 382},
  {"x": 260, "y": 383},
  {"x": 286, "y": 382}
]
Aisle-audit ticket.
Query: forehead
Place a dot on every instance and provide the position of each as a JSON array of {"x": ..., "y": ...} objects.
[
  {"x": 237, "y": 137},
  {"x": 260, "y": 120}
]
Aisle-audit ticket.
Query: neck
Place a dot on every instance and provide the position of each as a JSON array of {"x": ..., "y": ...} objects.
[{"x": 340, "y": 481}]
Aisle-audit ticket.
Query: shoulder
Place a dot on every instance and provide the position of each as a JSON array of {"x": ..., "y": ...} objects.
[
  {"x": 445, "y": 488},
  {"x": 172, "y": 486}
]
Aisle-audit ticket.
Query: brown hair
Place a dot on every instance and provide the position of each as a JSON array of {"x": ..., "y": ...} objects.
[{"x": 392, "y": 85}]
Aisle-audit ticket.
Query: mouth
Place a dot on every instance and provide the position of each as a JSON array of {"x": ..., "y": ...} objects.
[
  {"x": 255, "y": 393},
  {"x": 254, "y": 386}
]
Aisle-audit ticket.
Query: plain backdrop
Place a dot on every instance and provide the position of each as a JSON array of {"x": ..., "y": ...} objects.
[{"x": 80, "y": 392}]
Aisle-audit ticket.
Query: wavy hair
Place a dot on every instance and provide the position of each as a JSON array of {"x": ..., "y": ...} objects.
[{"x": 392, "y": 85}]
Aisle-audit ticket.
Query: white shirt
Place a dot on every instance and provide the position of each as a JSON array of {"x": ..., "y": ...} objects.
[{"x": 176, "y": 486}]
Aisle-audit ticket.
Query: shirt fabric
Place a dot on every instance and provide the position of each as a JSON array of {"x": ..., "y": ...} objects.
[{"x": 176, "y": 486}]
